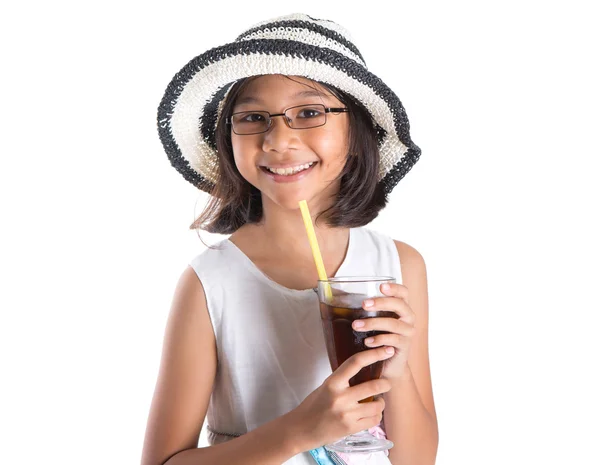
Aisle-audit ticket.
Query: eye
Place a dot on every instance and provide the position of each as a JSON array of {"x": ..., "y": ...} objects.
[
  {"x": 309, "y": 113},
  {"x": 252, "y": 118}
]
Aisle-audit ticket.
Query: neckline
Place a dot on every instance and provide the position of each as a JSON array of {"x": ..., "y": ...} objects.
[{"x": 263, "y": 277}]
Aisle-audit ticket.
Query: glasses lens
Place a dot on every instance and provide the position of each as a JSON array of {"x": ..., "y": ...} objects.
[
  {"x": 306, "y": 116},
  {"x": 250, "y": 122}
]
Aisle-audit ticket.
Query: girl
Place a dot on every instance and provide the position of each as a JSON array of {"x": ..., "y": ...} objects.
[{"x": 288, "y": 112}]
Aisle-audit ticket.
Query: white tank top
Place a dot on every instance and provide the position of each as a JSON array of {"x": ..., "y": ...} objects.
[{"x": 270, "y": 348}]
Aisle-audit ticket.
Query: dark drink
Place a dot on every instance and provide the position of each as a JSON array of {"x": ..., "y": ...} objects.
[
  {"x": 340, "y": 301},
  {"x": 343, "y": 341}
]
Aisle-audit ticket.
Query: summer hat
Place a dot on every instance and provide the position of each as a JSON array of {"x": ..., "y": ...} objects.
[{"x": 298, "y": 45}]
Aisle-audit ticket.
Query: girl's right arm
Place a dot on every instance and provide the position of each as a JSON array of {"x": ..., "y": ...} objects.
[{"x": 184, "y": 385}]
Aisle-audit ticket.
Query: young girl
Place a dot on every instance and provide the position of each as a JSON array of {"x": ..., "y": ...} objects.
[{"x": 288, "y": 112}]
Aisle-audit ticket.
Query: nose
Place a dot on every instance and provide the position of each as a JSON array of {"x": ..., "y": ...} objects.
[{"x": 280, "y": 136}]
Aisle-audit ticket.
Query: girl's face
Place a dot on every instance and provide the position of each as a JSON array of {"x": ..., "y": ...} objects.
[{"x": 324, "y": 148}]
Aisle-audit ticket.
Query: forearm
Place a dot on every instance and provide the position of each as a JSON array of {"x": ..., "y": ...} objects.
[
  {"x": 409, "y": 425},
  {"x": 270, "y": 444}
]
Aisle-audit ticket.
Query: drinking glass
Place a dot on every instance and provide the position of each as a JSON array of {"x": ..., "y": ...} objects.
[{"x": 340, "y": 300}]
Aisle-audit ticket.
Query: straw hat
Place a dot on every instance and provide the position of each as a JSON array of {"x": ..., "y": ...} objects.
[{"x": 296, "y": 45}]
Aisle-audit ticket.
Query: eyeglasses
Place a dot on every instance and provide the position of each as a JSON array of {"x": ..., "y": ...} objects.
[{"x": 245, "y": 123}]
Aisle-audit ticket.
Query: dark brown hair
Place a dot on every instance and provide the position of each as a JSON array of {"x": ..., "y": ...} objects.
[{"x": 235, "y": 202}]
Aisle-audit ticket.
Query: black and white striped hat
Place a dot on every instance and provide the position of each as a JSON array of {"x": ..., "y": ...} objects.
[{"x": 294, "y": 45}]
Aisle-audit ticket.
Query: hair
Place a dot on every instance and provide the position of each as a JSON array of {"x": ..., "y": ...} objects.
[{"x": 235, "y": 202}]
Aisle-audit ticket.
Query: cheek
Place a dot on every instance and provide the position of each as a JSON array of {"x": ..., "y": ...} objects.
[
  {"x": 331, "y": 147},
  {"x": 240, "y": 147},
  {"x": 237, "y": 147}
]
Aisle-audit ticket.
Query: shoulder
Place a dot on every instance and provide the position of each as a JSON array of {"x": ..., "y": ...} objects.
[
  {"x": 409, "y": 255},
  {"x": 189, "y": 282},
  {"x": 213, "y": 260},
  {"x": 412, "y": 263},
  {"x": 189, "y": 298},
  {"x": 213, "y": 252}
]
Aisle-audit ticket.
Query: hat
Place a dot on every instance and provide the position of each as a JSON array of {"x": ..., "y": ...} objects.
[{"x": 294, "y": 45}]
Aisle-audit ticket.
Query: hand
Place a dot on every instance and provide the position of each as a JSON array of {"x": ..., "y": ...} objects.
[
  {"x": 399, "y": 330},
  {"x": 333, "y": 411}
]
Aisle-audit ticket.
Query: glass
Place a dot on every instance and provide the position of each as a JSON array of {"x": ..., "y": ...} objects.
[
  {"x": 339, "y": 308},
  {"x": 300, "y": 117}
]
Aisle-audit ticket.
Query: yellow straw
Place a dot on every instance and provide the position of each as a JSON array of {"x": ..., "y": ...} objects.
[{"x": 314, "y": 245}]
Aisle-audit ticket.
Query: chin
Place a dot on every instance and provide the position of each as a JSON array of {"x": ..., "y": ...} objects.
[
  {"x": 291, "y": 202},
  {"x": 288, "y": 202},
  {"x": 288, "y": 197}
]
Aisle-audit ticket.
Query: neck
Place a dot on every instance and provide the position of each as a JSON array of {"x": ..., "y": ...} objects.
[{"x": 283, "y": 230}]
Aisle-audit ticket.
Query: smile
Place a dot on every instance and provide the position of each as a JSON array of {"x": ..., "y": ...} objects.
[
  {"x": 289, "y": 174},
  {"x": 289, "y": 171}
]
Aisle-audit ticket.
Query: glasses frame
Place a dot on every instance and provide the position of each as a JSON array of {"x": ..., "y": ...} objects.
[{"x": 287, "y": 119}]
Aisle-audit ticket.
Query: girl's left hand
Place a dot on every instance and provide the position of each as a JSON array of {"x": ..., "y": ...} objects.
[{"x": 400, "y": 330}]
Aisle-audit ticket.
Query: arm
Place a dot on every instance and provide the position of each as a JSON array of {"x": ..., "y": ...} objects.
[
  {"x": 270, "y": 444},
  {"x": 185, "y": 382},
  {"x": 410, "y": 417},
  {"x": 183, "y": 389}
]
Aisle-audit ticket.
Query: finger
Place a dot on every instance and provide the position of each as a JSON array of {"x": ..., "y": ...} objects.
[
  {"x": 390, "y": 325},
  {"x": 394, "y": 290},
  {"x": 351, "y": 367},
  {"x": 370, "y": 409},
  {"x": 396, "y": 341},
  {"x": 369, "y": 422},
  {"x": 396, "y": 305},
  {"x": 369, "y": 389}
]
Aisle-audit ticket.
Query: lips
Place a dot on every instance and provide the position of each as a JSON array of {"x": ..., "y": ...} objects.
[
  {"x": 288, "y": 173},
  {"x": 290, "y": 170}
]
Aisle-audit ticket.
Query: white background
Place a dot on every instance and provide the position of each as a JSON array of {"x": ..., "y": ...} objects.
[{"x": 503, "y": 100}]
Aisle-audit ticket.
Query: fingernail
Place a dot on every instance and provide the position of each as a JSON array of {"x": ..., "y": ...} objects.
[
  {"x": 369, "y": 340},
  {"x": 385, "y": 287},
  {"x": 358, "y": 324},
  {"x": 369, "y": 303},
  {"x": 389, "y": 350}
]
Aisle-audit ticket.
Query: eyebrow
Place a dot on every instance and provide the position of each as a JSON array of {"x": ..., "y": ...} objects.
[{"x": 298, "y": 95}]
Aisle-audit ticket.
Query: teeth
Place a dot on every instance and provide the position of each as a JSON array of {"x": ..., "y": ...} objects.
[{"x": 289, "y": 171}]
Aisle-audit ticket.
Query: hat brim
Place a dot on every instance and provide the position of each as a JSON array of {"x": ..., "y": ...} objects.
[{"x": 189, "y": 110}]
